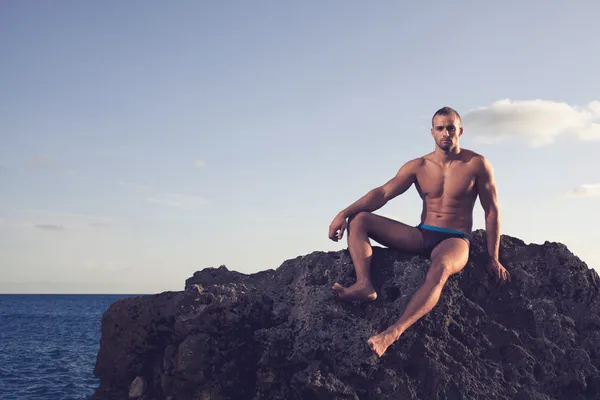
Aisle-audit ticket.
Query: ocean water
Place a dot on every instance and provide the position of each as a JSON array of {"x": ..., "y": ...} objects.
[{"x": 49, "y": 344}]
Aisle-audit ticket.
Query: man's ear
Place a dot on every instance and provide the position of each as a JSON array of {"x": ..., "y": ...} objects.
[{"x": 460, "y": 132}]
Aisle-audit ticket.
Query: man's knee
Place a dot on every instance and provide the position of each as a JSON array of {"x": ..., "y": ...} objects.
[
  {"x": 440, "y": 271},
  {"x": 359, "y": 221}
]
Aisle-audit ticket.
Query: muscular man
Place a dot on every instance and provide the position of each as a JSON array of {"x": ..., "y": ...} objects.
[{"x": 449, "y": 179}]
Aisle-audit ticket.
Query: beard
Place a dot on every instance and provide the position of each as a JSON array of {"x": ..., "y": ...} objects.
[{"x": 446, "y": 146}]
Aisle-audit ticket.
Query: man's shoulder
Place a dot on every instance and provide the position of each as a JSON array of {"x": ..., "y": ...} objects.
[
  {"x": 415, "y": 163},
  {"x": 422, "y": 160},
  {"x": 470, "y": 155},
  {"x": 481, "y": 166}
]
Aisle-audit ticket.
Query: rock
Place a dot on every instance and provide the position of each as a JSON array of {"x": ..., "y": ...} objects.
[
  {"x": 138, "y": 386},
  {"x": 280, "y": 334}
]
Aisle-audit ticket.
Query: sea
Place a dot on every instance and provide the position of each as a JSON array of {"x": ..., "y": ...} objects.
[{"x": 49, "y": 344}]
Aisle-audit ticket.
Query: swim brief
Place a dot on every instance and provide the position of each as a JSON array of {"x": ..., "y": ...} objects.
[{"x": 433, "y": 235}]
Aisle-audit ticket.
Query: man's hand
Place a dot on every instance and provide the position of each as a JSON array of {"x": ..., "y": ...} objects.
[
  {"x": 498, "y": 271},
  {"x": 337, "y": 227}
]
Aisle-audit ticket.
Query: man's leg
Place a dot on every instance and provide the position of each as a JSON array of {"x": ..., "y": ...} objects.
[
  {"x": 447, "y": 258},
  {"x": 385, "y": 231}
]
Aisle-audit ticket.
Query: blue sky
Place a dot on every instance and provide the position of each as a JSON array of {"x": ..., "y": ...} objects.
[{"x": 144, "y": 140}]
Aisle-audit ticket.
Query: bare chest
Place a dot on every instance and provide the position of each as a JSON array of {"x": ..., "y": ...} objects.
[{"x": 453, "y": 181}]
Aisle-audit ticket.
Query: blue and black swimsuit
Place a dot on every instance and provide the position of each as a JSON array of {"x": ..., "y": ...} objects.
[{"x": 433, "y": 235}]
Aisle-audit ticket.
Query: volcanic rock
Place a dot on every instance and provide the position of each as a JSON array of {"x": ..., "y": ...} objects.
[{"x": 280, "y": 334}]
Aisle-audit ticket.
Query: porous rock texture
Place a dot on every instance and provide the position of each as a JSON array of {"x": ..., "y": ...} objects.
[{"x": 280, "y": 334}]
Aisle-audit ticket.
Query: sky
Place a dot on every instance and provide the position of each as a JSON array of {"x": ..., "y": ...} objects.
[{"x": 141, "y": 141}]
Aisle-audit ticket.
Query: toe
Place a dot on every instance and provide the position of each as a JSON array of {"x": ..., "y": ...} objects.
[{"x": 337, "y": 288}]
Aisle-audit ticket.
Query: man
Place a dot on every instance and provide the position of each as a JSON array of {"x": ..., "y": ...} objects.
[{"x": 449, "y": 179}]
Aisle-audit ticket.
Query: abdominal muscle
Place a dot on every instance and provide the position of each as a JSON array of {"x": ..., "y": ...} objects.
[{"x": 448, "y": 213}]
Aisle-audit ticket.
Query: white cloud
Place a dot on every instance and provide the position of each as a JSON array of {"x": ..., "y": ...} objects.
[
  {"x": 42, "y": 162},
  {"x": 102, "y": 265},
  {"x": 178, "y": 200},
  {"x": 53, "y": 220},
  {"x": 540, "y": 122},
  {"x": 200, "y": 164},
  {"x": 135, "y": 186},
  {"x": 78, "y": 217},
  {"x": 47, "y": 164},
  {"x": 169, "y": 199},
  {"x": 49, "y": 227},
  {"x": 99, "y": 225},
  {"x": 585, "y": 190},
  {"x": 13, "y": 225}
]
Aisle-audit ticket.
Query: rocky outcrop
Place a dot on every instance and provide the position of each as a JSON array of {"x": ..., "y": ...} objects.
[{"x": 280, "y": 334}]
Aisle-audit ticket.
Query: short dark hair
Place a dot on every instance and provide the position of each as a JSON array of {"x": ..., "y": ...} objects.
[{"x": 446, "y": 111}]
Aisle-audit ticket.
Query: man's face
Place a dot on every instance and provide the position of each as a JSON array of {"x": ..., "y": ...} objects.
[{"x": 445, "y": 130}]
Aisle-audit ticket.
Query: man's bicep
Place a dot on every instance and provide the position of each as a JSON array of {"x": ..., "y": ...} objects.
[
  {"x": 401, "y": 182},
  {"x": 486, "y": 187}
]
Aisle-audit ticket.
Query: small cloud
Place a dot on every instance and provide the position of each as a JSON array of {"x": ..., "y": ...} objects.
[
  {"x": 14, "y": 225},
  {"x": 177, "y": 200},
  {"x": 89, "y": 264},
  {"x": 54, "y": 220},
  {"x": 200, "y": 164},
  {"x": 169, "y": 199},
  {"x": 135, "y": 186},
  {"x": 48, "y": 164},
  {"x": 100, "y": 225},
  {"x": 69, "y": 215},
  {"x": 540, "y": 122},
  {"x": 585, "y": 190},
  {"x": 42, "y": 162},
  {"x": 49, "y": 227},
  {"x": 104, "y": 266}
]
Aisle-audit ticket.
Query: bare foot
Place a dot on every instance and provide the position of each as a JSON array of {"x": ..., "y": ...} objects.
[
  {"x": 380, "y": 342},
  {"x": 356, "y": 292}
]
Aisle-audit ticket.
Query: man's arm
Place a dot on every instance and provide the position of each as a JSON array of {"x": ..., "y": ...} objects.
[
  {"x": 486, "y": 187},
  {"x": 378, "y": 197}
]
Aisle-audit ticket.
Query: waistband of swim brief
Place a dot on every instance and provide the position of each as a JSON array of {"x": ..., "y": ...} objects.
[{"x": 444, "y": 230}]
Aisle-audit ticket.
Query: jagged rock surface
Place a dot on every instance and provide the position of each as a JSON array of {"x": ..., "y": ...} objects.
[{"x": 280, "y": 334}]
